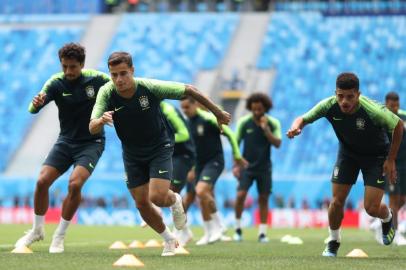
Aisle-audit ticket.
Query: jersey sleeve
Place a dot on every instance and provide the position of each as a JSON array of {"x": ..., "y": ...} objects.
[
  {"x": 164, "y": 89},
  {"x": 320, "y": 110},
  {"x": 102, "y": 101},
  {"x": 49, "y": 89},
  {"x": 276, "y": 124},
  {"x": 233, "y": 141},
  {"x": 181, "y": 131},
  {"x": 240, "y": 130},
  {"x": 379, "y": 114}
]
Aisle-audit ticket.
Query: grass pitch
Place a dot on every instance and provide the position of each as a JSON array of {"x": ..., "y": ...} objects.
[{"x": 87, "y": 248}]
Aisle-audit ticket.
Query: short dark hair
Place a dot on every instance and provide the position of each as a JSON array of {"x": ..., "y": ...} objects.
[
  {"x": 347, "y": 81},
  {"x": 188, "y": 98},
  {"x": 259, "y": 97},
  {"x": 72, "y": 51},
  {"x": 117, "y": 58},
  {"x": 393, "y": 96}
]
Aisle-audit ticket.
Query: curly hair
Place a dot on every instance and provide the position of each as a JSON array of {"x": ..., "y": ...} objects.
[
  {"x": 347, "y": 81},
  {"x": 393, "y": 96},
  {"x": 259, "y": 97},
  {"x": 72, "y": 51}
]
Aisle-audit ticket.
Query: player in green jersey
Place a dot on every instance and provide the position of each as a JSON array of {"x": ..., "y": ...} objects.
[
  {"x": 259, "y": 131},
  {"x": 133, "y": 105},
  {"x": 74, "y": 92},
  {"x": 361, "y": 126}
]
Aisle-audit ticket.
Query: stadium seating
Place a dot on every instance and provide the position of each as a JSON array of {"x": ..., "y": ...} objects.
[
  {"x": 167, "y": 47},
  {"x": 24, "y": 7},
  {"x": 29, "y": 57},
  {"x": 308, "y": 50}
]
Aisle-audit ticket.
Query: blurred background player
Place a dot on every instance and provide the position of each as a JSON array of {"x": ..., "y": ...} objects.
[
  {"x": 397, "y": 191},
  {"x": 209, "y": 164},
  {"x": 74, "y": 91},
  {"x": 361, "y": 126},
  {"x": 147, "y": 151},
  {"x": 259, "y": 131}
]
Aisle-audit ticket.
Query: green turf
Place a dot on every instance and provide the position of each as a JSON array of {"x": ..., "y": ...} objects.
[{"x": 87, "y": 248}]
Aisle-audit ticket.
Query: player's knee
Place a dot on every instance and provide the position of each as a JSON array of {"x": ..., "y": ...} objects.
[
  {"x": 202, "y": 193},
  {"x": 157, "y": 198},
  {"x": 43, "y": 183},
  {"x": 74, "y": 187},
  {"x": 241, "y": 195},
  {"x": 263, "y": 199},
  {"x": 372, "y": 209},
  {"x": 142, "y": 205},
  {"x": 336, "y": 204}
]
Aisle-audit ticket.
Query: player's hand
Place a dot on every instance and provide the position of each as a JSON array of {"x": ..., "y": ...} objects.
[
  {"x": 389, "y": 171},
  {"x": 107, "y": 118},
  {"x": 38, "y": 100},
  {"x": 263, "y": 122},
  {"x": 293, "y": 131},
  {"x": 191, "y": 176},
  {"x": 237, "y": 171},
  {"x": 241, "y": 162},
  {"x": 223, "y": 118}
]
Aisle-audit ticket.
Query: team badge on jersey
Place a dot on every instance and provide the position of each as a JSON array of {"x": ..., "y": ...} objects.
[
  {"x": 90, "y": 91},
  {"x": 200, "y": 130},
  {"x": 144, "y": 102},
  {"x": 360, "y": 123}
]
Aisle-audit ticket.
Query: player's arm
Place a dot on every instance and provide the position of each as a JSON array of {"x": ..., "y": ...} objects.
[
  {"x": 174, "y": 90},
  {"x": 389, "y": 166},
  {"x": 43, "y": 97},
  {"x": 318, "y": 111},
  {"x": 238, "y": 159},
  {"x": 273, "y": 137},
  {"x": 181, "y": 131},
  {"x": 100, "y": 116}
]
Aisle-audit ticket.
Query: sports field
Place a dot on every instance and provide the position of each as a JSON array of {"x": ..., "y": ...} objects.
[{"x": 87, "y": 248}]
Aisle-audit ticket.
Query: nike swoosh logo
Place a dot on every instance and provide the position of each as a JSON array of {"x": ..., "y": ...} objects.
[
  {"x": 91, "y": 165},
  {"x": 161, "y": 172},
  {"x": 177, "y": 181},
  {"x": 206, "y": 178},
  {"x": 66, "y": 94},
  {"x": 337, "y": 119},
  {"x": 119, "y": 108},
  {"x": 250, "y": 130},
  {"x": 380, "y": 181}
]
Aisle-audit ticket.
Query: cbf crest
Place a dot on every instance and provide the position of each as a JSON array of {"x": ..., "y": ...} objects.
[
  {"x": 360, "y": 123},
  {"x": 90, "y": 91},
  {"x": 144, "y": 102}
]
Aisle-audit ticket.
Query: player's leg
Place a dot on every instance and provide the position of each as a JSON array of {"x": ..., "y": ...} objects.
[
  {"x": 85, "y": 156},
  {"x": 264, "y": 186},
  {"x": 160, "y": 173},
  {"x": 56, "y": 163},
  {"x": 345, "y": 174},
  {"x": 401, "y": 166},
  {"x": 372, "y": 170},
  {"x": 244, "y": 184}
]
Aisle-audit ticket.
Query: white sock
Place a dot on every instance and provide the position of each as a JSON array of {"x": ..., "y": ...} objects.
[
  {"x": 178, "y": 199},
  {"x": 207, "y": 227},
  {"x": 39, "y": 222},
  {"x": 167, "y": 235},
  {"x": 216, "y": 218},
  {"x": 385, "y": 220},
  {"x": 262, "y": 228},
  {"x": 63, "y": 225},
  {"x": 238, "y": 223},
  {"x": 335, "y": 234}
]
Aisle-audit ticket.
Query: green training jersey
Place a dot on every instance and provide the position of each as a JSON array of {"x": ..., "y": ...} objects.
[
  {"x": 402, "y": 148},
  {"x": 257, "y": 148},
  {"x": 206, "y": 135},
  {"x": 75, "y": 101},
  {"x": 139, "y": 121},
  {"x": 363, "y": 132},
  {"x": 183, "y": 140}
]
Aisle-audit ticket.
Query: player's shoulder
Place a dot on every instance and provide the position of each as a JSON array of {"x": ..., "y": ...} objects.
[
  {"x": 167, "y": 107},
  {"x": 371, "y": 105},
  {"x": 56, "y": 77},
  {"x": 92, "y": 73},
  {"x": 402, "y": 114},
  {"x": 244, "y": 119},
  {"x": 108, "y": 88},
  {"x": 205, "y": 114},
  {"x": 273, "y": 119}
]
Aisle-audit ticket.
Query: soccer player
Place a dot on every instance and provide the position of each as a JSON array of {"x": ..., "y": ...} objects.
[
  {"x": 183, "y": 159},
  {"x": 397, "y": 191},
  {"x": 209, "y": 164},
  {"x": 133, "y": 105},
  {"x": 259, "y": 131},
  {"x": 361, "y": 127},
  {"x": 74, "y": 92}
]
